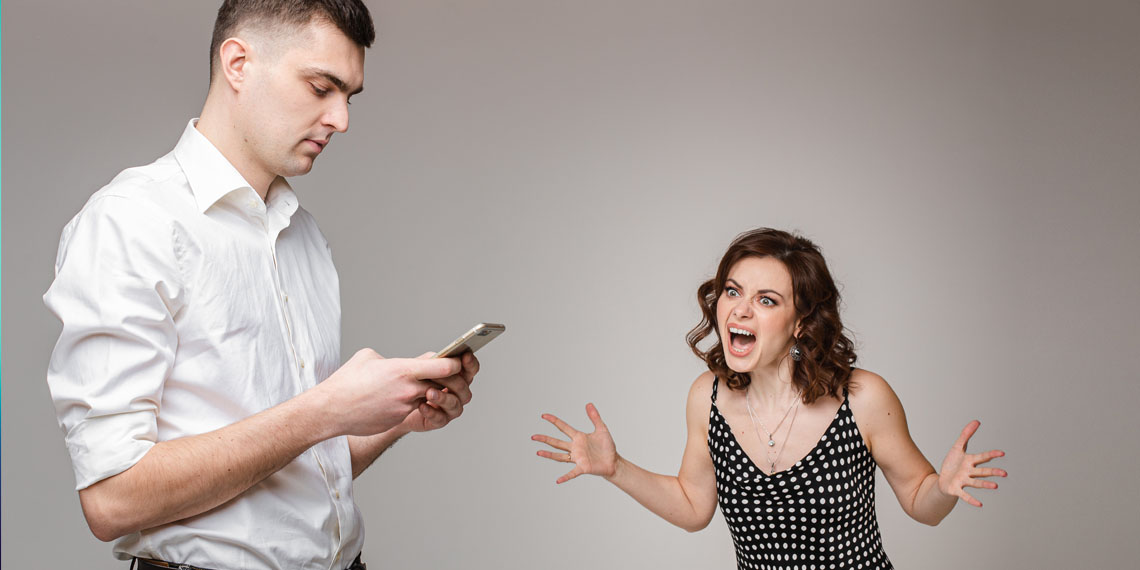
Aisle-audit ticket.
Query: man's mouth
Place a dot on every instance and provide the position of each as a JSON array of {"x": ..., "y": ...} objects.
[{"x": 740, "y": 341}]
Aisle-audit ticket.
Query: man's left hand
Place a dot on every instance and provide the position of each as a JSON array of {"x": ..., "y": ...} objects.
[{"x": 446, "y": 402}]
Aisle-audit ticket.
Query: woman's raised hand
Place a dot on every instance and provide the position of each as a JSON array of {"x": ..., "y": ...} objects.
[
  {"x": 591, "y": 453},
  {"x": 960, "y": 469}
]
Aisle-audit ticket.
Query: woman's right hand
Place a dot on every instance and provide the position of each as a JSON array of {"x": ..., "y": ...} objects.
[{"x": 591, "y": 453}]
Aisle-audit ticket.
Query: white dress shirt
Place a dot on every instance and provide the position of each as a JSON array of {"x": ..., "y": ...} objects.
[{"x": 188, "y": 304}]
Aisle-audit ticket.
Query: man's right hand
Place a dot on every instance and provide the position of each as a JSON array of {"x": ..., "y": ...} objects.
[{"x": 370, "y": 394}]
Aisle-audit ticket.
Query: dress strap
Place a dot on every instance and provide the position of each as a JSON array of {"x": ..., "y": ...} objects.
[{"x": 716, "y": 382}]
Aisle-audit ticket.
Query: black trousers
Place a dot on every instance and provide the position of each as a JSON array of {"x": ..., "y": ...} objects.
[{"x": 144, "y": 564}]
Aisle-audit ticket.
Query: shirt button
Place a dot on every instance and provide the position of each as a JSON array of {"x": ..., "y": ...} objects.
[
  {"x": 302, "y": 363},
  {"x": 286, "y": 297},
  {"x": 337, "y": 494}
]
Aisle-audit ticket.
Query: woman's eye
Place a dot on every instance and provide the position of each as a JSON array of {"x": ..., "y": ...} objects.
[
  {"x": 731, "y": 292},
  {"x": 767, "y": 301}
]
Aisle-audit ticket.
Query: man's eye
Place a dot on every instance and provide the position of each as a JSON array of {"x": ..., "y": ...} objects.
[{"x": 318, "y": 90}]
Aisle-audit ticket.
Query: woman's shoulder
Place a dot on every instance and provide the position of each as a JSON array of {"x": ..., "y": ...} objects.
[
  {"x": 702, "y": 387},
  {"x": 699, "y": 403},
  {"x": 871, "y": 396},
  {"x": 865, "y": 385}
]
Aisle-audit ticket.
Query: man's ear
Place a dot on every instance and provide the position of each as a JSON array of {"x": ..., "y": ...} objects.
[{"x": 234, "y": 55}]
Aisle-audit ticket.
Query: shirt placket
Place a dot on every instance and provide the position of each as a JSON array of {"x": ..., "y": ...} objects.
[{"x": 274, "y": 222}]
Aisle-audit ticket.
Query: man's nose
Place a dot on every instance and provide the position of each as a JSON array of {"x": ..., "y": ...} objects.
[{"x": 337, "y": 116}]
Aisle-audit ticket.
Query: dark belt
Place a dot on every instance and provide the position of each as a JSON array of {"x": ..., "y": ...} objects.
[{"x": 147, "y": 564}]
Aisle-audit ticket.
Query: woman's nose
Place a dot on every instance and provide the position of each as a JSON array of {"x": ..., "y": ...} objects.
[{"x": 742, "y": 309}]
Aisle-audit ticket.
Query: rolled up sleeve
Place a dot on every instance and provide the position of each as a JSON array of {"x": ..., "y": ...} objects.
[{"x": 116, "y": 291}]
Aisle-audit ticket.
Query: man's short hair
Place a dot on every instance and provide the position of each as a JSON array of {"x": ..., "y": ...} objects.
[{"x": 350, "y": 16}]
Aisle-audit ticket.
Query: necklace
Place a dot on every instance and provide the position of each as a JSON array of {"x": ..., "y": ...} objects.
[
  {"x": 753, "y": 415},
  {"x": 771, "y": 441}
]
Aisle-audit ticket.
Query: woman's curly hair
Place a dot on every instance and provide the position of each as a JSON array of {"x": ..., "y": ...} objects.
[{"x": 828, "y": 354}]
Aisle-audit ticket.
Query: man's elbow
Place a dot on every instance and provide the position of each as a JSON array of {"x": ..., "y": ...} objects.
[{"x": 99, "y": 511}]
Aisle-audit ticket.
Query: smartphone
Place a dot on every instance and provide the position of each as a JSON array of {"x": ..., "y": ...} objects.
[{"x": 472, "y": 340}]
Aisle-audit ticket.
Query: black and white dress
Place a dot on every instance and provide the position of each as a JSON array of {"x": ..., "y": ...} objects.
[{"x": 817, "y": 514}]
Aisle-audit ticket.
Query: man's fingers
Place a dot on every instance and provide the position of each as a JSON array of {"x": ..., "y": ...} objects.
[
  {"x": 433, "y": 416},
  {"x": 446, "y": 401},
  {"x": 456, "y": 385},
  {"x": 470, "y": 367},
  {"x": 432, "y": 368}
]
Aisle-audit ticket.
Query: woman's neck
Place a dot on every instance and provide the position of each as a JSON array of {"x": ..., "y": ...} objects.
[{"x": 772, "y": 387}]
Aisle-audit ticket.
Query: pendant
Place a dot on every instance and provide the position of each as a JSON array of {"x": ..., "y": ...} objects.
[{"x": 771, "y": 443}]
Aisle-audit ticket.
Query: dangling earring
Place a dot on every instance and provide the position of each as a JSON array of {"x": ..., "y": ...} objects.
[{"x": 796, "y": 353}]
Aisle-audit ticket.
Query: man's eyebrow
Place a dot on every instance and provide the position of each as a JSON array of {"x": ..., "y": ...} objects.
[{"x": 338, "y": 82}]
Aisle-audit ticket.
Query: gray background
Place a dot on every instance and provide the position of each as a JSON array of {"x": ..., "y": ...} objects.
[{"x": 575, "y": 169}]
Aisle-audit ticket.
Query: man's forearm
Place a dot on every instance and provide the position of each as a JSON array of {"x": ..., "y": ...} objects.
[
  {"x": 181, "y": 478},
  {"x": 365, "y": 449}
]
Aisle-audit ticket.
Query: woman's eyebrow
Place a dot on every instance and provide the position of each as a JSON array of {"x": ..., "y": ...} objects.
[{"x": 733, "y": 282}]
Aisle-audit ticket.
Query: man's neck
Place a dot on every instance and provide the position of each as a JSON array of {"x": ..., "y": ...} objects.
[{"x": 221, "y": 130}]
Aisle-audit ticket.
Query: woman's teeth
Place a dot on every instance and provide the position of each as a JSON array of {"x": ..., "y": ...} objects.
[{"x": 741, "y": 341}]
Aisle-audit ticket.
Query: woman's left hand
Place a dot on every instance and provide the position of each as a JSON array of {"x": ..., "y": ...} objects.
[{"x": 960, "y": 469}]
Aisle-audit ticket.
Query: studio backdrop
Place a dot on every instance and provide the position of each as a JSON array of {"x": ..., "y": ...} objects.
[{"x": 575, "y": 170}]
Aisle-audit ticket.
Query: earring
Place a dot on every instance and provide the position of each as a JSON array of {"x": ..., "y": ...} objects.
[{"x": 796, "y": 353}]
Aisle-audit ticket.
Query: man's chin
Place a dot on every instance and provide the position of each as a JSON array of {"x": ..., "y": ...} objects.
[{"x": 298, "y": 168}]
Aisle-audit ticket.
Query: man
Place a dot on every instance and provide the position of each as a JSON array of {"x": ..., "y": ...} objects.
[{"x": 196, "y": 376}]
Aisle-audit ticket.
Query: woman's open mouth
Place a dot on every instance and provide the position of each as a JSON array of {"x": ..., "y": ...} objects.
[{"x": 740, "y": 341}]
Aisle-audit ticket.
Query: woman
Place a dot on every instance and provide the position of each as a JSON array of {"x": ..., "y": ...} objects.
[{"x": 783, "y": 431}]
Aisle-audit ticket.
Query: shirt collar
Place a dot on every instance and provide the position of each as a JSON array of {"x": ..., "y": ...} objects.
[
  {"x": 281, "y": 198},
  {"x": 210, "y": 175}
]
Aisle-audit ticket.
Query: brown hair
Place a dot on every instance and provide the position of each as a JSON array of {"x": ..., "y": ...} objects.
[
  {"x": 828, "y": 354},
  {"x": 349, "y": 16}
]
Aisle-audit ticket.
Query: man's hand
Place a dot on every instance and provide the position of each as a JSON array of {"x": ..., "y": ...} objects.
[
  {"x": 443, "y": 402},
  {"x": 446, "y": 404},
  {"x": 370, "y": 394}
]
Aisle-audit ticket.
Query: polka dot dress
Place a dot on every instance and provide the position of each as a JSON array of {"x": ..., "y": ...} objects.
[{"x": 817, "y": 514}]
